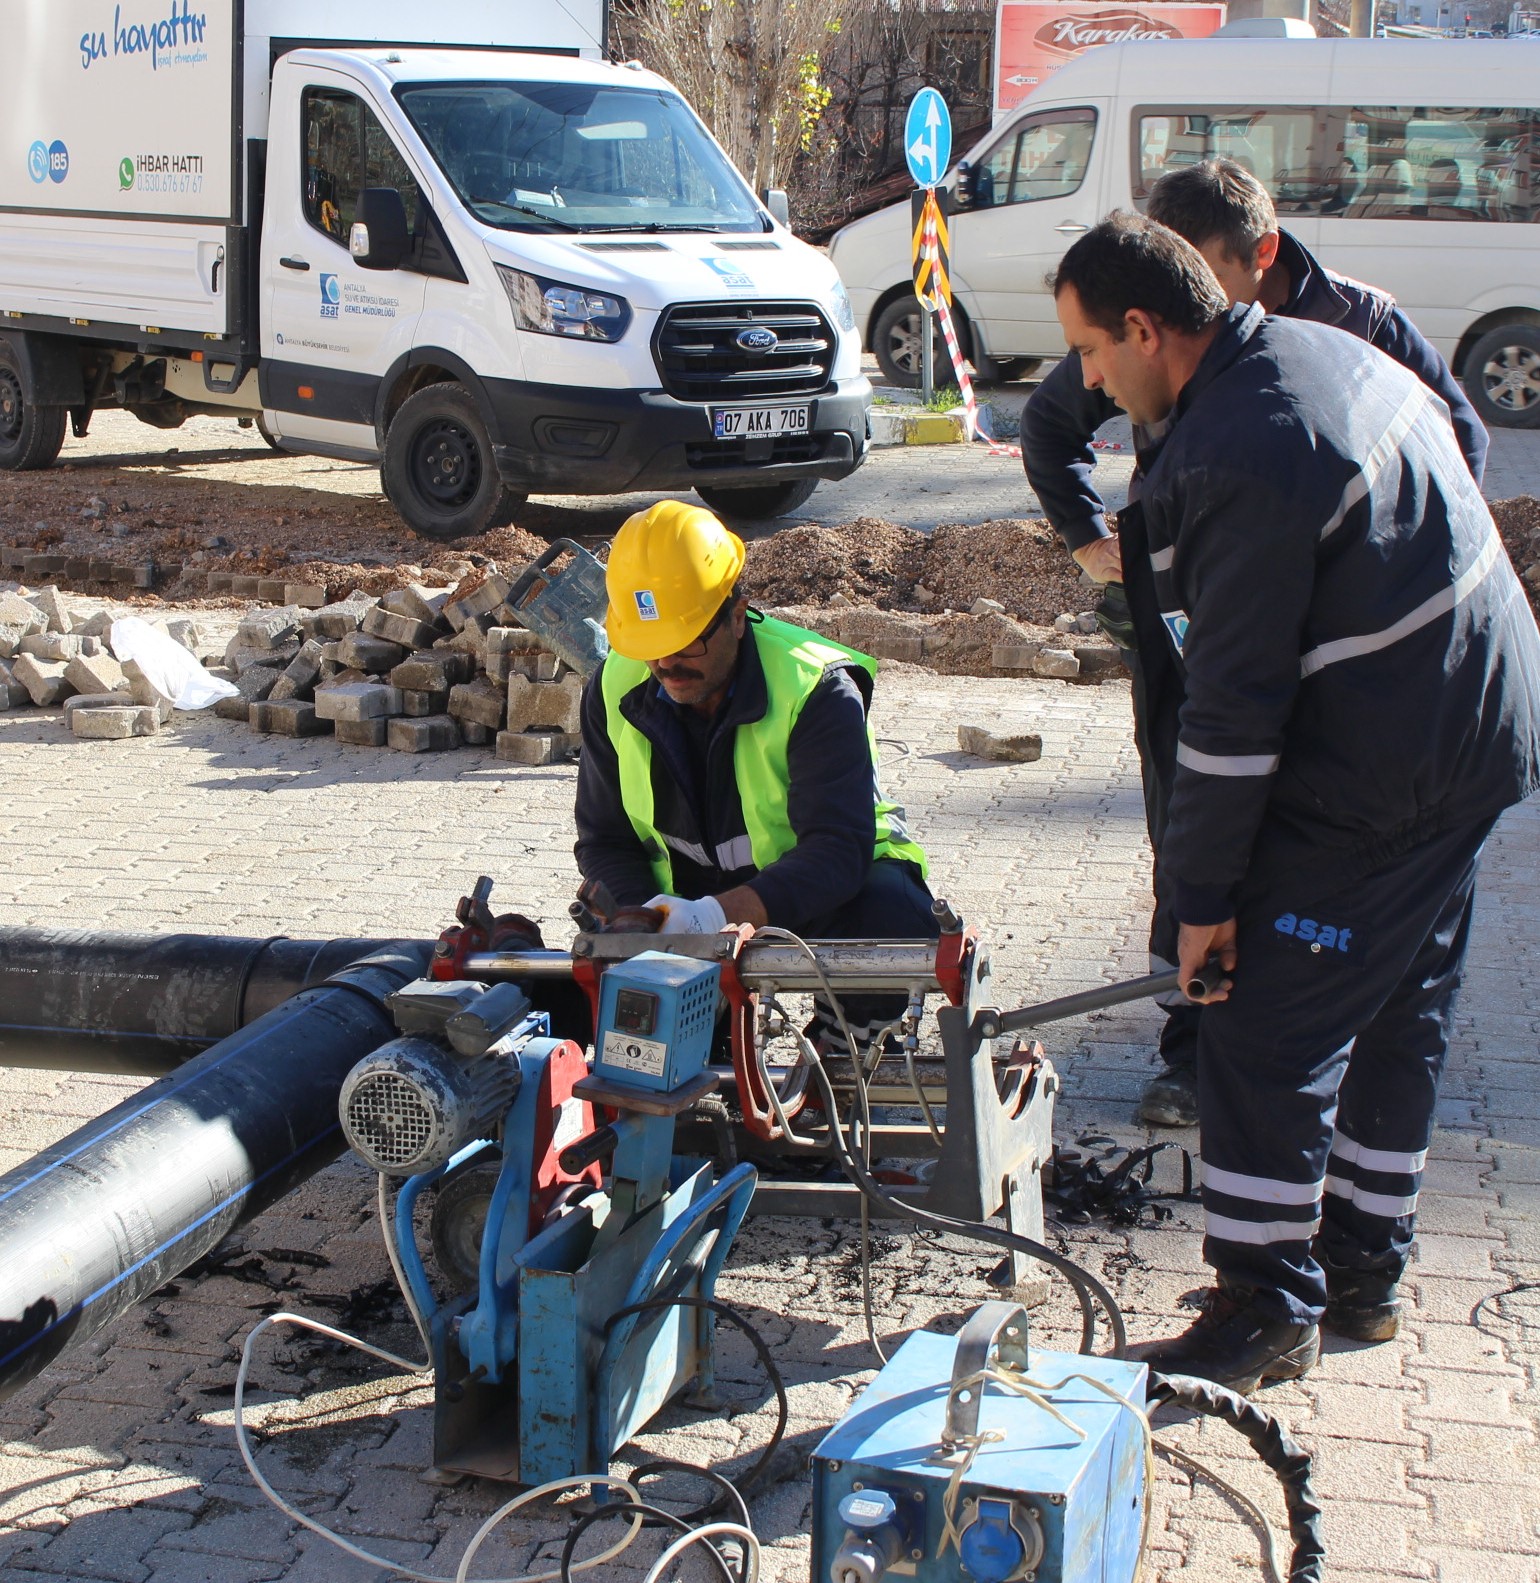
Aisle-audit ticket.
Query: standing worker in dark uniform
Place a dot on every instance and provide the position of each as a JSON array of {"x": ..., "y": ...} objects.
[
  {"x": 1225, "y": 212},
  {"x": 729, "y": 774},
  {"x": 1361, "y": 698}
]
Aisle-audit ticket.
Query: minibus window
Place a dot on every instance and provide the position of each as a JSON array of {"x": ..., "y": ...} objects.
[
  {"x": 1283, "y": 148},
  {"x": 1046, "y": 156},
  {"x": 1424, "y": 163}
]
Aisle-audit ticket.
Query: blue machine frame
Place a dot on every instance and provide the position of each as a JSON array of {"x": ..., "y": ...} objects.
[{"x": 533, "y": 1380}]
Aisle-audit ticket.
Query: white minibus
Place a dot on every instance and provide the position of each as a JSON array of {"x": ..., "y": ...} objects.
[{"x": 1404, "y": 163}]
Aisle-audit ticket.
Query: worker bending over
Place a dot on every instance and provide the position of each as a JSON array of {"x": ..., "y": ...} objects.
[
  {"x": 1360, "y": 699},
  {"x": 1226, "y": 213},
  {"x": 729, "y": 774}
]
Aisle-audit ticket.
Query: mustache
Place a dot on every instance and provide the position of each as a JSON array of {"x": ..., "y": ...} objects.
[{"x": 680, "y": 673}]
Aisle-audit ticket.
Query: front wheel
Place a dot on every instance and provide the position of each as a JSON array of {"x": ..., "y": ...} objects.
[
  {"x": 438, "y": 470},
  {"x": 30, "y": 436},
  {"x": 897, "y": 344},
  {"x": 760, "y": 503},
  {"x": 1502, "y": 377}
]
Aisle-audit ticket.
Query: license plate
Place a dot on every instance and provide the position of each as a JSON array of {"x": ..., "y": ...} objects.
[{"x": 731, "y": 423}]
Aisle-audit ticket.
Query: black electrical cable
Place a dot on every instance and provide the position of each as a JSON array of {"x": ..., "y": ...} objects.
[
  {"x": 1088, "y": 1290},
  {"x": 730, "y": 1494},
  {"x": 649, "y": 1513},
  {"x": 757, "y": 1341},
  {"x": 1289, "y": 1461}
]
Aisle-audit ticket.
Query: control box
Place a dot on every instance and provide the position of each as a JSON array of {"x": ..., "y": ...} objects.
[
  {"x": 1036, "y": 1503},
  {"x": 657, "y": 1013}
]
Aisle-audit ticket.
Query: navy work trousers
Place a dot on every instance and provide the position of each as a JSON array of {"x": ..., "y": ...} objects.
[
  {"x": 893, "y": 904},
  {"x": 1317, "y": 1078}
]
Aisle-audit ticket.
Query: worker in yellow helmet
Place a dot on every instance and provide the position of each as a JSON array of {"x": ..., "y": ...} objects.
[{"x": 729, "y": 774}]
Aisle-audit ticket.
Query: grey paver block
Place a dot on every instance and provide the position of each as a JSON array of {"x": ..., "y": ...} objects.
[
  {"x": 368, "y": 733},
  {"x": 114, "y": 724},
  {"x": 44, "y": 680},
  {"x": 374, "y": 655},
  {"x": 536, "y": 747},
  {"x": 478, "y": 703},
  {"x": 358, "y": 701},
  {"x": 424, "y": 734}
]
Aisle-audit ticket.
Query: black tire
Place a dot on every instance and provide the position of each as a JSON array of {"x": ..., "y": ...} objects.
[
  {"x": 1502, "y": 377},
  {"x": 438, "y": 470},
  {"x": 760, "y": 503},
  {"x": 30, "y": 436},
  {"x": 458, "y": 1218},
  {"x": 897, "y": 345},
  {"x": 267, "y": 434}
]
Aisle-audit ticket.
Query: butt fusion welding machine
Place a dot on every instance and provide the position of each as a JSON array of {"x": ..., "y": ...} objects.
[{"x": 569, "y": 1340}]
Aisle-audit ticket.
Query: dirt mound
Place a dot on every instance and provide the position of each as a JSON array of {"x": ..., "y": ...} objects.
[
  {"x": 1021, "y": 564},
  {"x": 1518, "y": 520},
  {"x": 868, "y": 561}
]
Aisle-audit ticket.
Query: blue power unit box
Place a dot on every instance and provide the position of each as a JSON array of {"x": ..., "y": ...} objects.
[
  {"x": 1036, "y": 1501},
  {"x": 657, "y": 1013}
]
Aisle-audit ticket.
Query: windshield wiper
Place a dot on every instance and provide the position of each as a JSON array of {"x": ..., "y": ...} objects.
[
  {"x": 659, "y": 225},
  {"x": 524, "y": 208}
]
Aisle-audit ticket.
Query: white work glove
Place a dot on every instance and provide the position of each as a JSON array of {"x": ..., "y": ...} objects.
[{"x": 690, "y": 917}]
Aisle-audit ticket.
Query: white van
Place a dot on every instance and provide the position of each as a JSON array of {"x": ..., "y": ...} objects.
[
  {"x": 1405, "y": 163},
  {"x": 493, "y": 270}
]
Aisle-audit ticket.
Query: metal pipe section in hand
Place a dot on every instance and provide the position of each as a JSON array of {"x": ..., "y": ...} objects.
[{"x": 96, "y": 1223}]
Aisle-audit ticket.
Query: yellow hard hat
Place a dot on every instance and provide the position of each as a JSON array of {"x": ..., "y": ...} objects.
[{"x": 670, "y": 568}]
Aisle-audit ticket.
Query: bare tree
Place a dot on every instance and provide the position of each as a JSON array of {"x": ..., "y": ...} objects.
[{"x": 750, "y": 67}]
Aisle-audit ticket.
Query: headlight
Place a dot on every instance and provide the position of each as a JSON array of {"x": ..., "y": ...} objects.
[
  {"x": 552, "y": 307},
  {"x": 844, "y": 314}
]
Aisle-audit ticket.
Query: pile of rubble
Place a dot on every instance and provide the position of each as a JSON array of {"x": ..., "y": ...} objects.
[{"x": 419, "y": 669}]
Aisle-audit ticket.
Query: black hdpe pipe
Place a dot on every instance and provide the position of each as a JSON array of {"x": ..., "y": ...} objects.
[
  {"x": 141, "y": 1005},
  {"x": 96, "y": 1223}
]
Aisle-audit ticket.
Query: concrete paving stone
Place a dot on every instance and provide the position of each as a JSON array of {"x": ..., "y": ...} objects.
[
  {"x": 1495, "y": 1515},
  {"x": 1456, "y": 1565},
  {"x": 237, "y": 1520},
  {"x": 1473, "y": 1399},
  {"x": 109, "y": 1545}
]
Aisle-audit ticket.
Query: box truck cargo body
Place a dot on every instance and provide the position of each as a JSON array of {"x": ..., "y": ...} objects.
[{"x": 472, "y": 250}]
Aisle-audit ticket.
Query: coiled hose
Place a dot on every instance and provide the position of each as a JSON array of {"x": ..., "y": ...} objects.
[{"x": 1273, "y": 1444}]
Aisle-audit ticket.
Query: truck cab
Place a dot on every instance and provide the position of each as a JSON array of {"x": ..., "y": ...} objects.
[{"x": 475, "y": 252}]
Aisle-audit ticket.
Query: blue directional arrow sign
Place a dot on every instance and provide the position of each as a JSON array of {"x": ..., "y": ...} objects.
[{"x": 928, "y": 137}]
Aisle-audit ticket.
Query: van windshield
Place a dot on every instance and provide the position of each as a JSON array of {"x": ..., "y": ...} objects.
[{"x": 555, "y": 156}]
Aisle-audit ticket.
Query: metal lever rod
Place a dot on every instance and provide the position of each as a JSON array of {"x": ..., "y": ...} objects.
[{"x": 990, "y": 1023}]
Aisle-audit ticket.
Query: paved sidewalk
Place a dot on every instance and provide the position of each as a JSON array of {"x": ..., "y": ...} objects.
[{"x": 119, "y": 1463}]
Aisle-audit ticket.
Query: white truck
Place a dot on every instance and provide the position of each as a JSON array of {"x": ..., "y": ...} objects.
[{"x": 469, "y": 249}]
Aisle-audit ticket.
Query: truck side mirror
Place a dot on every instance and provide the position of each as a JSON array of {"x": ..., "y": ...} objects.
[
  {"x": 965, "y": 191},
  {"x": 774, "y": 199},
  {"x": 379, "y": 238}
]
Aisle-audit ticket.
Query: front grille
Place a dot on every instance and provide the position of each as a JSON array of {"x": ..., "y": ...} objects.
[
  {"x": 735, "y": 453},
  {"x": 697, "y": 353}
]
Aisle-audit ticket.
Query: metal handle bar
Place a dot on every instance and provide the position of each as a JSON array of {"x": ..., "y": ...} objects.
[{"x": 990, "y": 1022}]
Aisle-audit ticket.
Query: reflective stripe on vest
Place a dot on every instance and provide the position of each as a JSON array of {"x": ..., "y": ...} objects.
[{"x": 794, "y": 662}]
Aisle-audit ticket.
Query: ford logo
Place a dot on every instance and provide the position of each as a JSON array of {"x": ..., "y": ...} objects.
[{"x": 758, "y": 339}]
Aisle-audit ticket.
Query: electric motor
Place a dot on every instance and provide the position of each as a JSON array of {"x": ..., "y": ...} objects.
[{"x": 411, "y": 1105}]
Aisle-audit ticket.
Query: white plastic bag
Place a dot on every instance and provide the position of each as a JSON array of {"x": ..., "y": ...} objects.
[{"x": 167, "y": 666}]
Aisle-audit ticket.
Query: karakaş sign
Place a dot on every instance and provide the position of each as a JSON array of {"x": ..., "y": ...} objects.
[{"x": 1033, "y": 38}]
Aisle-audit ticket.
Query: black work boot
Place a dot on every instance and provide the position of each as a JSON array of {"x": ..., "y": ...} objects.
[
  {"x": 1363, "y": 1305},
  {"x": 1235, "y": 1343},
  {"x": 1170, "y": 1099}
]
